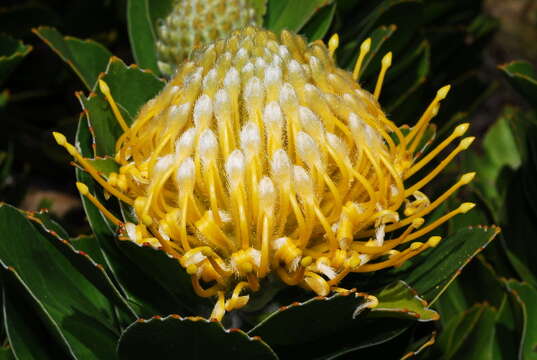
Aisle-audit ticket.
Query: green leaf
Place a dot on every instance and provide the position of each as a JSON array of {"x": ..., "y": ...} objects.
[
  {"x": 86, "y": 265},
  {"x": 11, "y": 54},
  {"x": 326, "y": 328},
  {"x": 131, "y": 88},
  {"x": 98, "y": 223},
  {"x": 6, "y": 354},
  {"x": 378, "y": 37},
  {"x": 470, "y": 335},
  {"x": 365, "y": 337},
  {"x": 88, "y": 244},
  {"x": 74, "y": 308},
  {"x": 309, "y": 321},
  {"x": 291, "y": 15},
  {"x": 522, "y": 76},
  {"x": 527, "y": 297},
  {"x": 319, "y": 24},
  {"x": 28, "y": 336},
  {"x": 477, "y": 284},
  {"x": 521, "y": 269},
  {"x": 508, "y": 328},
  {"x": 167, "y": 271},
  {"x": 159, "y": 9},
  {"x": 105, "y": 166},
  {"x": 50, "y": 226},
  {"x": 433, "y": 271},
  {"x": 104, "y": 125},
  {"x": 175, "y": 337},
  {"x": 141, "y": 34},
  {"x": 144, "y": 295},
  {"x": 407, "y": 76},
  {"x": 499, "y": 151},
  {"x": 401, "y": 299},
  {"x": 420, "y": 345},
  {"x": 482, "y": 26},
  {"x": 394, "y": 14},
  {"x": 520, "y": 225},
  {"x": 87, "y": 58}
]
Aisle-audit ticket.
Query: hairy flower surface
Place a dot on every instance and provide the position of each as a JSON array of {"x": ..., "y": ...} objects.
[
  {"x": 193, "y": 23},
  {"x": 262, "y": 157}
]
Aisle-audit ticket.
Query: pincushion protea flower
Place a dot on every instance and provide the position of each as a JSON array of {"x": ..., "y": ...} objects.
[
  {"x": 193, "y": 23},
  {"x": 262, "y": 157}
]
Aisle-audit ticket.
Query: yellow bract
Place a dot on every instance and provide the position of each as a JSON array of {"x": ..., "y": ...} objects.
[{"x": 261, "y": 156}]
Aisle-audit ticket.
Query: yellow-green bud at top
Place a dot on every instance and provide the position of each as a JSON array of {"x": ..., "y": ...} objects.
[{"x": 192, "y": 24}]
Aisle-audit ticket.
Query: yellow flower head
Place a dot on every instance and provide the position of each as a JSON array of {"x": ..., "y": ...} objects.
[{"x": 262, "y": 156}]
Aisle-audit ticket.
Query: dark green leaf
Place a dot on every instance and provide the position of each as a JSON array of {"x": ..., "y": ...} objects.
[
  {"x": 51, "y": 226},
  {"x": 470, "y": 335},
  {"x": 522, "y": 76},
  {"x": 527, "y": 297},
  {"x": 520, "y": 226},
  {"x": 521, "y": 269},
  {"x": 141, "y": 34},
  {"x": 499, "y": 151},
  {"x": 365, "y": 17},
  {"x": 89, "y": 245},
  {"x": 319, "y": 24},
  {"x": 18, "y": 19},
  {"x": 75, "y": 309},
  {"x": 28, "y": 337},
  {"x": 508, "y": 328},
  {"x": 142, "y": 292},
  {"x": 6, "y": 354},
  {"x": 407, "y": 76},
  {"x": 482, "y": 26},
  {"x": 159, "y": 9},
  {"x": 367, "y": 335},
  {"x": 105, "y": 166},
  {"x": 402, "y": 300},
  {"x": 433, "y": 271},
  {"x": 329, "y": 328},
  {"x": 131, "y": 88},
  {"x": 99, "y": 224},
  {"x": 477, "y": 284},
  {"x": 378, "y": 37},
  {"x": 11, "y": 54},
  {"x": 167, "y": 271},
  {"x": 310, "y": 320},
  {"x": 291, "y": 15},
  {"x": 104, "y": 125},
  {"x": 86, "y": 265},
  {"x": 421, "y": 345},
  {"x": 174, "y": 337},
  {"x": 87, "y": 58}
]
